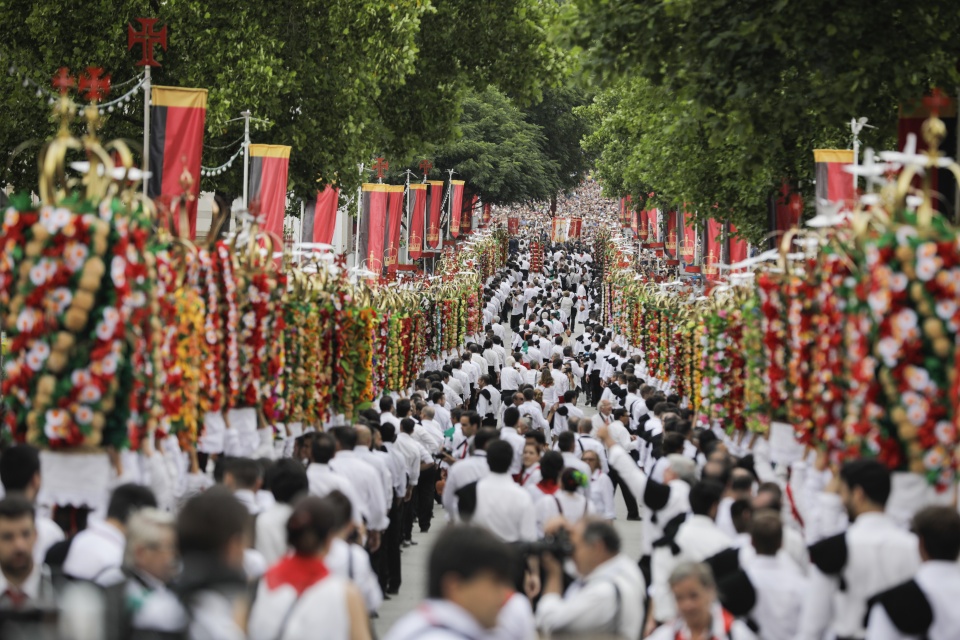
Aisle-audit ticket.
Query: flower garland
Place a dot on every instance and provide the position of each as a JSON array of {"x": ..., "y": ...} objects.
[{"x": 756, "y": 383}]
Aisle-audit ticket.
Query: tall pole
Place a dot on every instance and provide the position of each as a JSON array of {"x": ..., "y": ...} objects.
[
  {"x": 408, "y": 215},
  {"x": 356, "y": 240},
  {"x": 146, "y": 126},
  {"x": 246, "y": 155}
]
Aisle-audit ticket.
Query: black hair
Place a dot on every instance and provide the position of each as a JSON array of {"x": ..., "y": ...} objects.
[
  {"x": 766, "y": 532},
  {"x": 741, "y": 482},
  {"x": 466, "y": 552},
  {"x": 569, "y": 396},
  {"x": 740, "y": 513},
  {"x": 472, "y": 417},
  {"x": 484, "y": 437},
  {"x": 346, "y": 437},
  {"x": 871, "y": 476},
  {"x": 407, "y": 425},
  {"x": 16, "y": 506},
  {"x": 566, "y": 441},
  {"x": 939, "y": 531},
  {"x": 570, "y": 479},
  {"x": 209, "y": 521},
  {"x": 704, "y": 496},
  {"x": 386, "y": 404},
  {"x": 342, "y": 508},
  {"x": 18, "y": 466},
  {"x": 499, "y": 456},
  {"x": 604, "y": 532},
  {"x": 551, "y": 464},
  {"x": 619, "y": 412},
  {"x": 310, "y": 525},
  {"x": 403, "y": 408},
  {"x": 323, "y": 447},
  {"x": 537, "y": 436},
  {"x": 511, "y": 416},
  {"x": 672, "y": 443},
  {"x": 287, "y": 479},
  {"x": 128, "y": 498},
  {"x": 388, "y": 432},
  {"x": 245, "y": 471}
]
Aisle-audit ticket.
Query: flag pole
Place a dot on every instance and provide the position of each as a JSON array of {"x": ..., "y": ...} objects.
[
  {"x": 146, "y": 127},
  {"x": 246, "y": 156},
  {"x": 408, "y": 216},
  {"x": 356, "y": 240}
]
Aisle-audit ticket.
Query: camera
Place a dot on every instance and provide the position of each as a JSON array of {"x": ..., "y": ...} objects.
[{"x": 558, "y": 545}]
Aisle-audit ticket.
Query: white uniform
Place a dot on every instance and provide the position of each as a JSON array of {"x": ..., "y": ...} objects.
[{"x": 505, "y": 509}]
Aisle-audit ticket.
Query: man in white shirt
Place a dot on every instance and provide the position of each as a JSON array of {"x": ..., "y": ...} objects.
[
  {"x": 428, "y": 432},
  {"x": 927, "y": 605},
  {"x": 697, "y": 539},
  {"x": 20, "y": 473},
  {"x": 287, "y": 480},
  {"x": 488, "y": 401},
  {"x": 604, "y": 416},
  {"x": 606, "y": 600},
  {"x": 440, "y": 412},
  {"x": 451, "y": 397},
  {"x": 503, "y": 507},
  {"x": 461, "y": 376},
  {"x": 510, "y": 379},
  {"x": 463, "y": 476},
  {"x": 96, "y": 553},
  {"x": 386, "y": 412},
  {"x": 322, "y": 479},
  {"x": 569, "y": 449},
  {"x": 529, "y": 408},
  {"x": 365, "y": 480},
  {"x": 873, "y": 555},
  {"x": 511, "y": 416},
  {"x": 364, "y": 442}
]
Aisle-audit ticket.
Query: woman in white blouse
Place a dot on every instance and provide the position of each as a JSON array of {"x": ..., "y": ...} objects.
[
  {"x": 601, "y": 487},
  {"x": 548, "y": 389},
  {"x": 568, "y": 503},
  {"x": 530, "y": 472}
]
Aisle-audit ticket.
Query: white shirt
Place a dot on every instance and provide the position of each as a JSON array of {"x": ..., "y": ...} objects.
[
  {"x": 437, "y": 620},
  {"x": 94, "y": 551},
  {"x": 322, "y": 481},
  {"x": 589, "y": 443},
  {"x": 382, "y": 465},
  {"x": 591, "y": 606},
  {"x": 573, "y": 461},
  {"x": 48, "y": 534},
  {"x": 321, "y": 606},
  {"x": 352, "y": 562},
  {"x": 271, "y": 526},
  {"x": 505, "y": 509},
  {"x": 698, "y": 539},
  {"x": 678, "y": 630},
  {"x": 510, "y": 435},
  {"x": 572, "y": 506},
  {"x": 601, "y": 495},
  {"x": 460, "y": 475},
  {"x": 429, "y": 429},
  {"x": 531, "y": 409},
  {"x": 516, "y": 621},
  {"x": 510, "y": 379},
  {"x": 409, "y": 451},
  {"x": 780, "y": 592},
  {"x": 880, "y": 556},
  {"x": 940, "y": 582}
]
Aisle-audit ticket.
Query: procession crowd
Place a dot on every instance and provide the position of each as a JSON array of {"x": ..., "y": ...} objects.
[{"x": 500, "y": 440}]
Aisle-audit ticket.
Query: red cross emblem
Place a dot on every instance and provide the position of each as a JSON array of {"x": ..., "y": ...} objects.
[
  {"x": 94, "y": 85},
  {"x": 381, "y": 166},
  {"x": 425, "y": 166},
  {"x": 935, "y": 102},
  {"x": 63, "y": 81},
  {"x": 146, "y": 39}
]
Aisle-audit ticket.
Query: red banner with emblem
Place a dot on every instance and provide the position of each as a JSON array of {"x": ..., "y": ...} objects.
[
  {"x": 487, "y": 214},
  {"x": 456, "y": 206},
  {"x": 434, "y": 200},
  {"x": 415, "y": 243},
  {"x": 391, "y": 242},
  {"x": 713, "y": 251},
  {"x": 670, "y": 242},
  {"x": 688, "y": 250},
  {"x": 576, "y": 226},
  {"x": 513, "y": 226},
  {"x": 739, "y": 248}
]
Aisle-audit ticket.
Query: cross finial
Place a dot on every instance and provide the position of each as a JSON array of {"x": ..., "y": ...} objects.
[
  {"x": 146, "y": 39},
  {"x": 425, "y": 166},
  {"x": 94, "y": 85},
  {"x": 381, "y": 166},
  {"x": 63, "y": 81},
  {"x": 935, "y": 102}
]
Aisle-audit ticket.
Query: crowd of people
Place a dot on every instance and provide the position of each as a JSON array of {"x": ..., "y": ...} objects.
[{"x": 519, "y": 443}]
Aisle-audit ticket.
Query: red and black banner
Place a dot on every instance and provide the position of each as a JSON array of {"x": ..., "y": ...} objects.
[
  {"x": 391, "y": 241},
  {"x": 418, "y": 193},
  {"x": 177, "y": 119},
  {"x": 456, "y": 206},
  {"x": 373, "y": 226},
  {"x": 713, "y": 249},
  {"x": 833, "y": 183},
  {"x": 513, "y": 226},
  {"x": 320, "y": 216},
  {"x": 434, "y": 201},
  {"x": 269, "y": 164},
  {"x": 688, "y": 251},
  {"x": 576, "y": 226}
]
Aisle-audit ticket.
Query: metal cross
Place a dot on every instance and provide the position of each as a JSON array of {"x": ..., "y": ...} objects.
[
  {"x": 94, "y": 85},
  {"x": 425, "y": 166},
  {"x": 381, "y": 166},
  {"x": 935, "y": 102},
  {"x": 146, "y": 39},
  {"x": 63, "y": 81}
]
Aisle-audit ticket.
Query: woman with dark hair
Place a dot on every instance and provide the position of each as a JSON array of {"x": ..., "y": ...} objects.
[
  {"x": 530, "y": 471},
  {"x": 551, "y": 464},
  {"x": 298, "y": 595},
  {"x": 569, "y": 502}
]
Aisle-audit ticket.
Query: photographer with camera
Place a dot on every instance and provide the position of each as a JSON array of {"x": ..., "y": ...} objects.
[{"x": 607, "y": 597}]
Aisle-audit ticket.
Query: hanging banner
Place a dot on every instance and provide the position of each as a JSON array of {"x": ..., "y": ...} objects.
[
  {"x": 576, "y": 226},
  {"x": 324, "y": 218},
  {"x": 833, "y": 183},
  {"x": 561, "y": 230},
  {"x": 456, "y": 206},
  {"x": 739, "y": 248},
  {"x": 418, "y": 196},
  {"x": 434, "y": 200},
  {"x": 268, "y": 184},
  {"x": 373, "y": 222},
  {"x": 466, "y": 218},
  {"x": 391, "y": 240},
  {"x": 713, "y": 250},
  {"x": 513, "y": 226},
  {"x": 643, "y": 224},
  {"x": 670, "y": 244},
  {"x": 688, "y": 250},
  {"x": 487, "y": 214},
  {"x": 786, "y": 210},
  {"x": 177, "y": 117}
]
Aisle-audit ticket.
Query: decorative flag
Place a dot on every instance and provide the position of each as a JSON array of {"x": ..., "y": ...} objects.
[
  {"x": 415, "y": 243},
  {"x": 560, "y": 230},
  {"x": 177, "y": 117},
  {"x": 738, "y": 246},
  {"x": 434, "y": 200},
  {"x": 513, "y": 226},
  {"x": 392, "y": 228},
  {"x": 643, "y": 224},
  {"x": 833, "y": 183},
  {"x": 689, "y": 250},
  {"x": 713, "y": 253},
  {"x": 670, "y": 244},
  {"x": 466, "y": 220},
  {"x": 576, "y": 225},
  {"x": 626, "y": 207},
  {"x": 373, "y": 223},
  {"x": 268, "y": 184},
  {"x": 785, "y": 211},
  {"x": 320, "y": 216},
  {"x": 487, "y": 214},
  {"x": 912, "y": 116},
  {"x": 456, "y": 206}
]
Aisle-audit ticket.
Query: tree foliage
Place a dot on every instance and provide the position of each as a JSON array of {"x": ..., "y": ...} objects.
[
  {"x": 762, "y": 82},
  {"x": 338, "y": 80}
]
